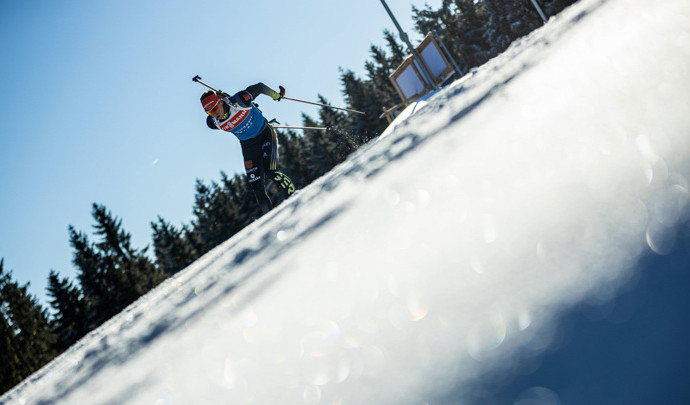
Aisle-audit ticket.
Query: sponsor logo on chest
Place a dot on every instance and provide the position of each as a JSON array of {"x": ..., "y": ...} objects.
[{"x": 234, "y": 120}]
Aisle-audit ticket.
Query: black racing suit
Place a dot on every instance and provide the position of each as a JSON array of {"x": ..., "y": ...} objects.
[{"x": 260, "y": 152}]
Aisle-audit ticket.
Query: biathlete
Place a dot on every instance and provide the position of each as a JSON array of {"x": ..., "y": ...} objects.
[{"x": 238, "y": 114}]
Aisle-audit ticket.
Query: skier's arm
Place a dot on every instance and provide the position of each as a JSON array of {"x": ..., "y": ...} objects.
[
  {"x": 245, "y": 97},
  {"x": 261, "y": 88},
  {"x": 211, "y": 123}
]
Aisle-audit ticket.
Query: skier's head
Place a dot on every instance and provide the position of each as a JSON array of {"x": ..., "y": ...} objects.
[{"x": 212, "y": 104}]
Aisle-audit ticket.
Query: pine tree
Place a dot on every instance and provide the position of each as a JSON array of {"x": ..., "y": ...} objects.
[
  {"x": 27, "y": 341},
  {"x": 172, "y": 247},
  {"x": 237, "y": 190},
  {"x": 358, "y": 95},
  {"x": 553, "y": 7},
  {"x": 12, "y": 368},
  {"x": 112, "y": 273},
  {"x": 320, "y": 159},
  {"x": 496, "y": 29},
  {"x": 459, "y": 26},
  {"x": 381, "y": 67},
  {"x": 373, "y": 94},
  {"x": 70, "y": 322},
  {"x": 342, "y": 140},
  {"x": 476, "y": 30},
  {"x": 221, "y": 211}
]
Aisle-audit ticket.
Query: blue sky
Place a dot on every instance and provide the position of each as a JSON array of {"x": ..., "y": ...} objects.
[{"x": 97, "y": 104}]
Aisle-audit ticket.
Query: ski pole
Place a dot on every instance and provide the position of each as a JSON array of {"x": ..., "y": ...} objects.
[
  {"x": 197, "y": 79},
  {"x": 275, "y": 121},
  {"x": 324, "y": 105},
  {"x": 314, "y": 128}
]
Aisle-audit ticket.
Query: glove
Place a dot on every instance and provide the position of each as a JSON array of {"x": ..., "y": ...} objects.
[
  {"x": 245, "y": 96},
  {"x": 277, "y": 96}
]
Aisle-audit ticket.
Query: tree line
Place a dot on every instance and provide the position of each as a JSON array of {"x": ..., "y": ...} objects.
[{"x": 111, "y": 273}]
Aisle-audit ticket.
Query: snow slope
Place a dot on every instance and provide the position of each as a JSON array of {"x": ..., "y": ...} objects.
[{"x": 439, "y": 263}]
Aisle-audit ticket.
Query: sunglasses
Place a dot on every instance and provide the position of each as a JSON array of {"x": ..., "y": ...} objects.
[{"x": 217, "y": 108}]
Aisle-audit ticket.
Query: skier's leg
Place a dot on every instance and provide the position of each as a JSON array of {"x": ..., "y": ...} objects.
[
  {"x": 252, "y": 153},
  {"x": 260, "y": 193},
  {"x": 283, "y": 182},
  {"x": 271, "y": 165}
]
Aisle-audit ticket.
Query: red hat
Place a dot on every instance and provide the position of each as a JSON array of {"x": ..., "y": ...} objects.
[{"x": 209, "y": 100}]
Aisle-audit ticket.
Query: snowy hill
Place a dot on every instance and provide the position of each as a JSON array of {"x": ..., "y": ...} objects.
[{"x": 491, "y": 248}]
